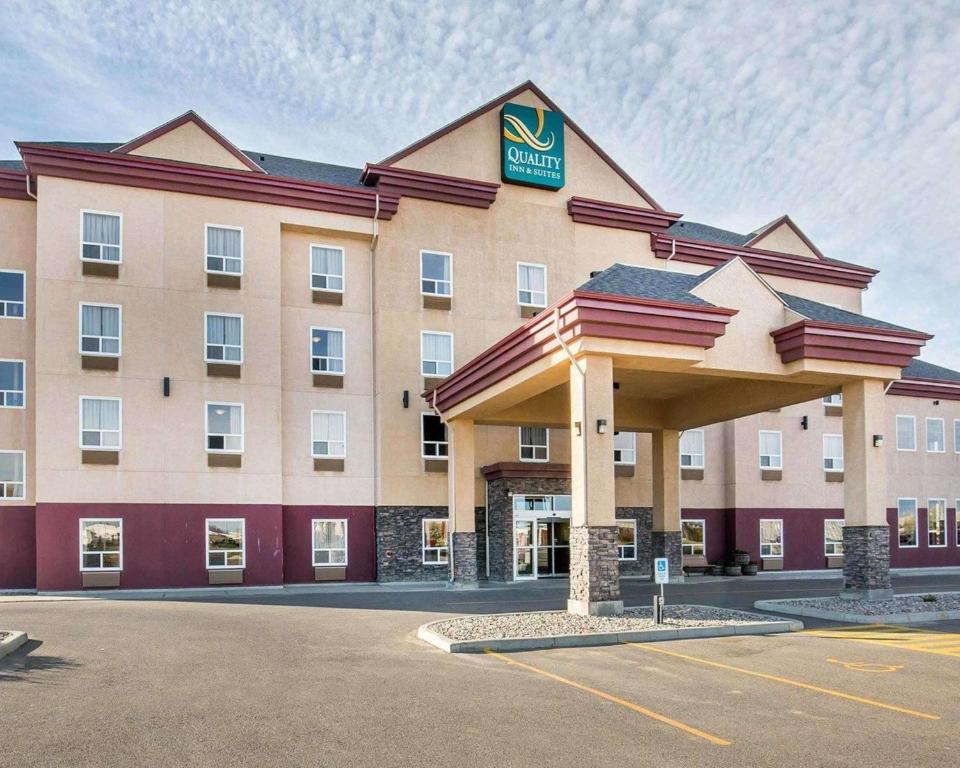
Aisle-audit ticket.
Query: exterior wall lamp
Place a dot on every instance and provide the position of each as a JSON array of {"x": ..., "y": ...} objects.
[
  {"x": 578, "y": 428},
  {"x": 878, "y": 441},
  {"x": 803, "y": 422},
  {"x": 601, "y": 426}
]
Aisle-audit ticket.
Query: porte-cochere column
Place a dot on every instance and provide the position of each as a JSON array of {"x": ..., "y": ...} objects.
[
  {"x": 461, "y": 481},
  {"x": 666, "y": 537},
  {"x": 594, "y": 567}
]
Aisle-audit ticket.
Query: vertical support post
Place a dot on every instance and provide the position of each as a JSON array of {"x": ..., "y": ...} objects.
[
  {"x": 666, "y": 537},
  {"x": 461, "y": 479},
  {"x": 594, "y": 567},
  {"x": 866, "y": 533}
]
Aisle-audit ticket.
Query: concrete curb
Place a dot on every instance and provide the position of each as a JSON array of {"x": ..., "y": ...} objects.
[
  {"x": 13, "y": 641},
  {"x": 427, "y": 634},
  {"x": 916, "y": 617}
]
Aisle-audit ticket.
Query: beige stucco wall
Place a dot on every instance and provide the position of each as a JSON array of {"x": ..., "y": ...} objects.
[
  {"x": 921, "y": 474},
  {"x": 189, "y": 143},
  {"x": 782, "y": 238}
]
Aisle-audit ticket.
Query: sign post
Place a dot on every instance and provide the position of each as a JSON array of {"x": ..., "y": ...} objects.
[{"x": 661, "y": 576}]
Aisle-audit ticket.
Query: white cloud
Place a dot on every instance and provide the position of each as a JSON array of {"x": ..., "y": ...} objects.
[{"x": 845, "y": 115}]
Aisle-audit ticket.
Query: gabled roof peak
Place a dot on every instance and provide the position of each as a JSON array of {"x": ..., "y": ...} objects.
[{"x": 784, "y": 220}]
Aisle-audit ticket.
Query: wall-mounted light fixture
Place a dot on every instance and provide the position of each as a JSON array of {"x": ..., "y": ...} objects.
[
  {"x": 601, "y": 426},
  {"x": 804, "y": 424},
  {"x": 166, "y": 386},
  {"x": 936, "y": 402},
  {"x": 878, "y": 441},
  {"x": 578, "y": 428},
  {"x": 406, "y": 398}
]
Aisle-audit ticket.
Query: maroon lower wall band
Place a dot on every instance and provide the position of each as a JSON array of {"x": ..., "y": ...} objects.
[
  {"x": 298, "y": 541},
  {"x": 18, "y": 552}
]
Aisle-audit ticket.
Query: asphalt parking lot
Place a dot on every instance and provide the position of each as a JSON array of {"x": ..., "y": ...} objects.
[{"x": 339, "y": 679}]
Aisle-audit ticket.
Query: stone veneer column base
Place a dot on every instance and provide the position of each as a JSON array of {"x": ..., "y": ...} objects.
[
  {"x": 668, "y": 544},
  {"x": 866, "y": 562},
  {"x": 464, "y": 568},
  {"x": 594, "y": 571}
]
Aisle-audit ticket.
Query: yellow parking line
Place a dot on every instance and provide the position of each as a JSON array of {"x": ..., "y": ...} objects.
[
  {"x": 788, "y": 681},
  {"x": 895, "y": 636},
  {"x": 616, "y": 700}
]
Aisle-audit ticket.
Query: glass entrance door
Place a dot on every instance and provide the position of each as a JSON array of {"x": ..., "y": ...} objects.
[
  {"x": 553, "y": 548},
  {"x": 541, "y": 536}
]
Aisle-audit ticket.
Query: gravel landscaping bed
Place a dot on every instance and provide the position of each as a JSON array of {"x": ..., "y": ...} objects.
[
  {"x": 945, "y": 601},
  {"x": 553, "y": 623}
]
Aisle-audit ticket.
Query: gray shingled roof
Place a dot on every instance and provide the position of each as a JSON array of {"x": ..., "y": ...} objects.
[
  {"x": 706, "y": 233},
  {"x": 920, "y": 369},
  {"x": 814, "y": 310},
  {"x": 11, "y": 165}
]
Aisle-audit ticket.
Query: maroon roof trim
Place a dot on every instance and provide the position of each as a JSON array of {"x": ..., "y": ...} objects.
[
  {"x": 502, "y": 99},
  {"x": 189, "y": 117},
  {"x": 401, "y": 182},
  {"x": 765, "y": 262},
  {"x": 809, "y": 339},
  {"x": 13, "y": 185},
  {"x": 603, "y": 214},
  {"x": 934, "y": 389},
  {"x": 785, "y": 219},
  {"x": 172, "y": 176},
  {"x": 524, "y": 469},
  {"x": 583, "y": 314}
]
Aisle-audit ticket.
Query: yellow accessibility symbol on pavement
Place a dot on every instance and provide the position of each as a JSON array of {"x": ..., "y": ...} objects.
[{"x": 866, "y": 666}]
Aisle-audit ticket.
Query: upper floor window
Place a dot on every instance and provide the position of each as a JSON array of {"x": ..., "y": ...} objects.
[
  {"x": 101, "y": 237},
  {"x": 692, "y": 449},
  {"x": 907, "y": 522},
  {"x": 435, "y": 273},
  {"x": 771, "y": 449},
  {"x": 12, "y": 394},
  {"x": 100, "y": 330},
  {"x": 936, "y": 443},
  {"x": 329, "y": 434},
  {"x": 326, "y": 350},
  {"x": 531, "y": 284},
  {"x": 13, "y": 293},
  {"x": 224, "y": 338},
  {"x": 835, "y": 399},
  {"x": 12, "y": 474},
  {"x": 224, "y": 253},
  {"x": 329, "y": 542},
  {"x": 433, "y": 437},
  {"x": 436, "y": 353},
  {"x": 101, "y": 544},
  {"x": 326, "y": 268},
  {"x": 906, "y": 433},
  {"x": 224, "y": 427},
  {"x": 624, "y": 447},
  {"x": 226, "y": 543},
  {"x": 100, "y": 423},
  {"x": 833, "y": 453},
  {"x": 534, "y": 444}
]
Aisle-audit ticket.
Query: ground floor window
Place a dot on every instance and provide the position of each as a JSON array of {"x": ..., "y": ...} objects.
[
  {"x": 225, "y": 543},
  {"x": 101, "y": 544},
  {"x": 771, "y": 538},
  {"x": 957, "y": 508},
  {"x": 936, "y": 522},
  {"x": 832, "y": 537},
  {"x": 627, "y": 539},
  {"x": 693, "y": 537},
  {"x": 907, "y": 522},
  {"x": 435, "y": 548},
  {"x": 12, "y": 474},
  {"x": 329, "y": 542}
]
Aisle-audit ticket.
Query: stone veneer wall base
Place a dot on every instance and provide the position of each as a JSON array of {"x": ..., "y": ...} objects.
[
  {"x": 866, "y": 562},
  {"x": 594, "y": 571}
]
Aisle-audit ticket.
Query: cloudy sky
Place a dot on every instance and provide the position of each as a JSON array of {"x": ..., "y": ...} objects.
[{"x": 845, "y": 115}]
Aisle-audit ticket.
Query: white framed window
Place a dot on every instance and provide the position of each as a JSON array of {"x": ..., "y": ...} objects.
[
  {"x": 835, "y": 399},
  {"x": 906, "y": 433},
  {"x": 101, "y": 326},
  {"x": 13, "y": 293},
  {"x": 833, "y": 537},
  {"x": 326, "y": 351},
  {"x": 224, "y": 249},
  {"x": 435, "y": 547},
  {"x": 531, "y": 284},
  {"x": 436, "y": 353},
  {"x": 626, "y": 539},
  {"x": 625, "y": 448},
  {"x": 771, "y": 449},
  {"x": 957, "y": 520},
  {"x": 771, "y": 538},
  {"x": 224, "y": 427},
  {"x": 936, "y": 522},
  {"x": 433, "y": 437},
  {"x": 224, "y": 338},
  {"x": 833, "y": 453},
  {"x": 101, "y": 236},
  {"x": 328, "y": 433},
  {"x": 693, "y": 537},
  {"x": 12, "y": 475},
  {"x": 329, "y": 542},
  {"x": 956, "y": 435},
  {"x": 101, "y": 544},
  {"x": 12, "y": 383},
  {"x": 101, "y": 423},
  {"x": 907, "y": 523},
  {"x": 936, "y": 443},
  {"x": 692, "y": 449},
  {"x": 534, "y": 443},
  {"x": 226, "y": 543},
  {"x": 326, "y": 268},
  {"x": 436, "y": 273}
]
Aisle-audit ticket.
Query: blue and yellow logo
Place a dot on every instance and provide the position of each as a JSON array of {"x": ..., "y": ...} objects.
[{"x": 531, "y": 146}]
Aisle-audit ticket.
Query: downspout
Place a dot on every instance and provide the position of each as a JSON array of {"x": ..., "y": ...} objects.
[
  {"x": 673, "y": 249},
  {"x": 583, "y": 399},
  {"x": 27, "y": 179},
  {"x": 375, "y": 457}
]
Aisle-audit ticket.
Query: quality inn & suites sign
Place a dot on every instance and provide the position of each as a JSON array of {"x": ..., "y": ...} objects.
[{"x": 531, "y": 146}]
